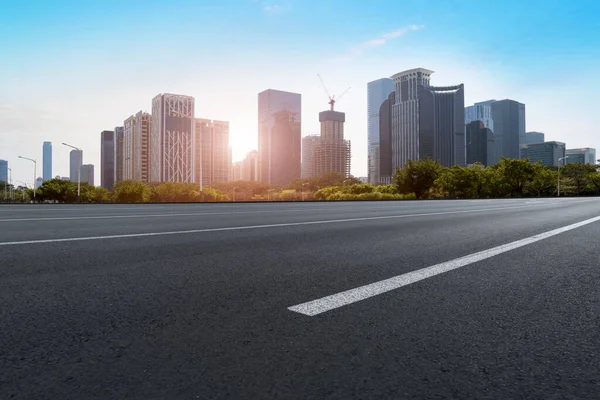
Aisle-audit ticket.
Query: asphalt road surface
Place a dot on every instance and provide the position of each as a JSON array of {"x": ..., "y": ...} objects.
[{"x": 486, "y": 299}]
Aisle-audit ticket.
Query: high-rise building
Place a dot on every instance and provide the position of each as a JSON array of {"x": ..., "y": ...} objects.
[
  {"x": 548, "y": 152},
  {"x": 4, "y": 171},
  {"x": 107, "y": 159},
  {"x": 119, "y": 152},
  {"x": 47, "y": 161},
  {"x": 509, "y": 128},
  {"x": 481, "y": 111},
  {"x": 87, "y": 174},
  {"x": 586, "y": 155},
  {"x": 427, "y": 121},
  {"x": 533, "y": 137},
  {"x": 212, "y": 161},
  {"x": 136, "y": 139},
  {"x": 236, "y": 171},
  {"x": 331, "y": 153},
  {"x": 308, "y": 147},
  {"x": 279, "y": 136},
  {"x": 385, "y": 168},
  {"x": 378, "y": 91},
  {"x": 75, "y": 163},
  {"x": 480, "y": 143},
  {"x": 39, "y": 181},
  {"x": 250, "y": 167},
  {"x": 172, "y": 139}
]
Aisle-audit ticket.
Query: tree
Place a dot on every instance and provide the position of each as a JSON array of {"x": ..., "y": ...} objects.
[
  {"x": 579, "y": 175},
  {"x": 101, "y": 195},
  {"x": 459, "y": 182},
  {"x": 543, "y": 183},
  {"x": 514, "y": 174},
  {"x": 57, "y": 190},
  {"x": 417, "y": 177},
  {"x": 131, "y": 191}
]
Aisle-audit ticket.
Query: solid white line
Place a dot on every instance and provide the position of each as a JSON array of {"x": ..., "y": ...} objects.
[
  {"x": 234, "y": 228},
  {"x": 347, "y": 297}
]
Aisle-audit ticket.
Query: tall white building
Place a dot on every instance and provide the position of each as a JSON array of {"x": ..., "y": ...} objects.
[
  {"x": 377, "y": 92},
  {"x": 212, "y": 161},
  {"x": 481, "y": 111},
  {"x": 308, "y": 148},
  {"x": 172, "y": 139}
]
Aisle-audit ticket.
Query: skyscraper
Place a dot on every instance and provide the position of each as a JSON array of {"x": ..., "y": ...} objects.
[
  {"x": 119, "y": 152},
  {"x": 4, "y": 171},
  {"x": 76, "y": 160},
  {"x": 172, "y": 139},
  {"x": 480, "y": 143},
  {"x": 548, "y": 152},
  {"x": 331, "y": 153},
  {"x": 279, "y": 136},
  {"x": 107, "y": 159},
  {"x": 385, "y": 167},
  {"x": 308, "y": 147},
  {"x": 47, "y": 161},
  {"x": 427, "y": 121},
  {"x": 136, "y": 139},
  {"x": 378, "y": 92},
  {"x": 87, "y": 174},
  {"x": 250, "y": 167},
  {"x": 533, "y": 137},
  {"x": 212, "y": 161},
  {"x": 584, "y": 155},
  {"x": 509, "y": 128},
  {"x": 481, "y": 111}
]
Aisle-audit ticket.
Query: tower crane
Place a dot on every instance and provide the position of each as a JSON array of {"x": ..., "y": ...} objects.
[{"x": 332, "y": 99}]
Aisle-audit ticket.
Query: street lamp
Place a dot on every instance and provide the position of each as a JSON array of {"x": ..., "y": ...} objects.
[
  {"x": 233, "y": 190},
  {"x": 78, "y": 171},
  {"x": 558, "y": 182},
  {"x": 302, "y": 189},
  {"x": 34, "y": 171}
]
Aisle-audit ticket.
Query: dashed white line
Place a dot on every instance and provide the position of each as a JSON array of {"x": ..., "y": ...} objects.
[{"x": 324, "y": 304}]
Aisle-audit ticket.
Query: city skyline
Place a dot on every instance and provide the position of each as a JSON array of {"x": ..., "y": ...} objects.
[{"x": 524, "y": 63}]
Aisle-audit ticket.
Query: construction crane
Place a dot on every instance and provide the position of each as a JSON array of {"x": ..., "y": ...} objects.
[{"x": 332, "y": 99}]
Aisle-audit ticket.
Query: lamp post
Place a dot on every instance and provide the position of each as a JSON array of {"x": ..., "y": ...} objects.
[
  {"x": 34, "y": 171},
  {"x": 558, "y": 182},
  {"x": 302, "y": 189},
  {"x": 233, "y": 190},
  {"x": 78, "y": 171}
]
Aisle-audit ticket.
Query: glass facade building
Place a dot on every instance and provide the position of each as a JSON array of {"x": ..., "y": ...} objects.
[{"x": 378, "y": 92}]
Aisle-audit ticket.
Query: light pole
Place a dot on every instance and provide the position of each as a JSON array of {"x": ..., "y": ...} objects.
[
  {"x": 302, "y": 189},
  {"x": 34, "y": 171},
  {"x": 558, "y": 182},
  {"x": 78, "y": 171},
  {"x": 235, "y": 187}
]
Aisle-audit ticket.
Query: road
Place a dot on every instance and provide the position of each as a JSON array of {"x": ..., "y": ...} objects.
[{"x": 484, "y": 299}]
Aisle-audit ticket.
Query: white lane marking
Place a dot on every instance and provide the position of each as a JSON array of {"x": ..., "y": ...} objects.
[
  {"x": 235, "y": 228},
  {"x": 347, "y": 297}
]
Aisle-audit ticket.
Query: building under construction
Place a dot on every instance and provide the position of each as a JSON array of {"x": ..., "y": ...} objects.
[{"x": 331, "y": 152}]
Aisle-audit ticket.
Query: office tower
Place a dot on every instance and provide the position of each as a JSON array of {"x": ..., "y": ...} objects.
[
  {"x": 584, "y": 155},
  {"x": 136, "y": 136},
  {"x": 76, "y": 160},
  {"x": 279, "y": 136},
  {"x": 533, "y": 137},
  {"x": 119, "y": 152},
  {"x": 107, "y": 159},
  {"x": 4, "y": 171},
  {"x": 509, "y": 128},
  {"x": 250, "y": 167},
  {"x": 331, "y": 153},
  {"x": 87, "y": 174},
  {"x": 480, "y": 143},
  {"x": 212, "y": 161},
  {"x": 481, "y": 111},
  {"x": 128, "y": 134},
  {"x": 548, "y": 152},
  {"x": 385, "y": 168},
  {"x": 236, "y": 171},
  {"x": 308, "y": 147},
  {"x": 378, "y": 91},
  {"x": 39, "y": 181},
  {"x": 427, "y": 121},
  {"x": 172, "y": 139},
  {"x": 47, "y": 161}
]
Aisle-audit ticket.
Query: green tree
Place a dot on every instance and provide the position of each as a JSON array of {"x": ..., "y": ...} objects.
[
  {"x": 543, "y": 183},
  {"x": 417, "y": 177},
  {"x": 514, "y": 174},
  {"x": 131, "y": 191},
  {"x": 579, "y": 175},
  {"x": 57, "y": 190}
]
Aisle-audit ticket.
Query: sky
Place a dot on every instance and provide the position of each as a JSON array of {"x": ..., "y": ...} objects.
[{"x": 69, "y": 70}]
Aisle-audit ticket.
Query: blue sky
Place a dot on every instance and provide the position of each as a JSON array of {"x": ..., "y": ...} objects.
[{"x": 72, "y": 69}]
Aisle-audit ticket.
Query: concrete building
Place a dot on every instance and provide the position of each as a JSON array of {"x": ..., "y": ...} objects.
[
  {"x": 4, "y": 171},
  {"x": 308, "y": 147},
  {"x": 509, "y": 128},
  {"x": 212, "y": 161},
  {"x": 47, "y": 161},
  {"x": 385, "y": 168},
  {"x": 250, "y": 169},
  {"x": 136, "y": 137},
  {"x": 548, "y": 152},
  {"x": 75, "y": 163},
  {"x": 481, "y": 111},
  {"x": 331, "y": 153},
  {"x": 119, "y": 152},
  {"x": 279, "y": 136},
  {"x": 107, "y": 159},
  {"x": 87, "y": 174},
  {"x": 533, "y": 137},
  {"x": 172, "y": 139},
  {"x": 378, "y": 91},
  {"x": 236, "y": 171},
  {"x": 586, "y": 155},
  {"x": 480, "y": 143},
  {"x": 427, "y": 121}
]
